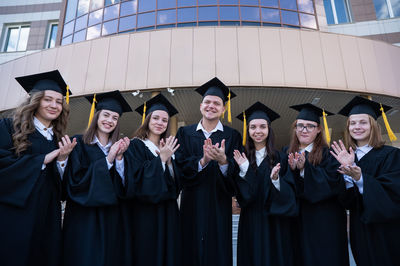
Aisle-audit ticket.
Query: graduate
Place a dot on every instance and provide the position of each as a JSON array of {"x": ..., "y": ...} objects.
[
  {"x": 321, "y": 225},
  {"x": 30, "y": 179},
  {"x": 205, "y": 158},
  {"x": 266, "y": 194},
  {"x": 153, "y": 183},
  {"x": 372, "y": 174},
  {"x": 94, "y": 232}
]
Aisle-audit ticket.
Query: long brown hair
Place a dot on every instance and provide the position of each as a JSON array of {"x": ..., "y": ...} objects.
[
  {"x": 23, "y": 121},
  {"x": 375, "y": 136},
  {"x": 315, "y": 156},
  {"x": 89, "y": 134},
  {"x": 143, "y": 131}
]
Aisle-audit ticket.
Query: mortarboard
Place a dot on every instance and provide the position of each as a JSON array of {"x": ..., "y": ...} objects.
[{"x": 158, "y": 102}]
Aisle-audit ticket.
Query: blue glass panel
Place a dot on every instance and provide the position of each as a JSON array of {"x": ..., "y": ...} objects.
[
  {"x": 95, "y": 17},
  {"x": 306, "y": 6},
  {"x": 166, "y": 16},
  {"x": 230, "y": 23},
  {"x": 67, "y": 40},
  {"x": 164, "y": 4},
  {"x": 111, "y": 2},
  {"x": 381, "y": 9},
  {"x": 208, "y": 13},
  {"x": 192, "y": 24},
  {"x": 128, "y": 8},
  {"x": 250, "y": 13},
  {"x": 111, "y": 12},
  {"x": 68, "y": 28},
  {"x": 289, "y": 17},
  {"x": 187, "y": 14},
  {"x": 249, "y": 2},
  {"x": 127, "y": 23},
  {"x": 83, "y": 7},
  {"x": 146, "y": 20},
  {"x": 80, "y": 36},
  {"x": 289, "y": 4},
  {"x": 93, "y": 32},
  {"x": 187, "y": 3},
  {"x": 229, "y": 13},
  {"x": 270, "y": 15},
  {"x": 329, "y": 12},
  {"x": 396, "y": 7},
  {"x": 71, "y": 10},
  {"x": 207, "y": 2},
  {"x": 96, "y": 4},
  {"x": 110, "y": 27},
  {"x": 81, "y": 23},
  {"x": 228, "y": 2},
  {"x": 53, "y": 36},
  {"x": 308, "y": 21},
  {"x": 341, "y": 11},
  {"x": 270, "y": 3},
  {"x": 147, "y": 5},
  {"x": 208, "y": 23}
]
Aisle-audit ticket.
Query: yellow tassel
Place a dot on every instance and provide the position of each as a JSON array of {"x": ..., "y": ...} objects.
[
  {"x": 144, "y": 113},
  {"x": 327, "y": 135},
  {"x": 92, "y": 110},
  {"x": 67, "y": 97},
  {"x": 229, "y": 108},
  {"x": 244, "y": 129},
  {"x": 392, "y": 136}
]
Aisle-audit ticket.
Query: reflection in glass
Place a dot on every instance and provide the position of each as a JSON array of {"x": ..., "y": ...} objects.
[
  {"x": 269, "y": 3},
  {"x": 83, "y": 7},
  {"x": 306, "y": 6},
  {"x": 53, "y": 36},
  {"x": 127, "y": 23},
  {"x": 187, "y": 3},
  {"x": 164, "y": 4},
  {"x": 81, "y": 23},
  {"x": 146, "y": 20},
  {"x": 17, "y": 39},
  {"x": 308, "y": 21},
  {"x": 67, "y": 40},
  {"x": 95, "y": 4},
  {"x": 147, "y": 5},
  {"x": 290, "y": 17},
  {"x": 229, "y": 13},
  {"x": 68, "y": 28},
  {"x": 71, "y": 10},
  {"x": 381, "y": 9},
  {"x": 341, "y": 11},
  {"x": 95, "y": 17},
  {"x": 93, "y": 32},
  {"x": 208, "y": 13},
  {"x": 111, "y": 2},
  {"x": 128, "y": 8},
  {"x": 111, "y": 12},
  {"x": 249, "y": 2},
  {"x": 110, "y": 27},
  {"x": 187, "y": 14},
  {"x": 207, "y": 2},
  {"x": 80, "y": 36},
  {"x": 250, "y": 13},
  {"x": 228, "y": 2},
  {"x": 166, "y": 16},
  {"x": 270, "y": 15},
  {"x": 288, "y": 4}
]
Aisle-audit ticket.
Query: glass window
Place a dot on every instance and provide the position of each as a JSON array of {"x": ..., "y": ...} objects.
[
  {"x": 249, "y": 2},
  {"x": 187, "y": 2},
  {"x": 207, "y": 2},
  {"x": 68, "y": 28},
  {"x": 289, "y": 17},
  {"x": 341, "y": 11},
  {"x": 164, "y": 4},
  {"x": 80, "y": 36},
  {"x": 269, "y": 3},
  {"x": 128, "y": 8},
  {"x": 67, "y": 40},
  {"x": 329, "y": 12},
  {"x": 396, "y": 7},
  {"x": 270, "y": 15},
  {"x": 288, "y": 4},
  {"x": 95, "y": 4},
  {"x": 110, "y": 27},
  {"x": 127, "y": 23},
  {"x": 111, "y": 2},
  {"x": 147, "y": 5},
  {"x": 208, "y": 13},
  {"x": 146, "y": 20},
  {"x": 166, "y": 16},
  {"x": 93, "y": 32},
  {"x": 71, "y": 10},
  {"x": 381, "y": 9},
  {"x": 95, "y": 17},
  {"x": 229, "y": 13},
  {"x": 52, "y": 35},
  {"x": 83, "y": 7},
  {"x": 187, "y": 14},
  {"x": 17, "y": 38},
  {"x": 342, "y": 14},
  {"x": 111, "y": 12},
  {"x": 250, "y": 13},
  {"x": 228, "y": 2},
  {"x": 306, "y": 6},
  {"x": 81, "y": 23},
  {"x": 308, "y": 21}
]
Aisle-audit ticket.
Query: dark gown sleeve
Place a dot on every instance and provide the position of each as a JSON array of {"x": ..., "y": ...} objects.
[
  {"x": 18, "y": 175},
  {"x": 246, "y": 187},
  {"x": 147, "y": 180},
  {"x": 89, "y": 182}
]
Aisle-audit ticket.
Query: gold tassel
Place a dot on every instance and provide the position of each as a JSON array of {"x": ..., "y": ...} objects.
[
  {"x": 144, "y": 113},
  {"x": 327, "y": 135},
  {"x": 92, "y": 110},
  {"x": 229, "y": 108},
  {"x": 244, "y": 129},
  {"x": 392, "y": 136},
  {"x": 67, "y": 97}
]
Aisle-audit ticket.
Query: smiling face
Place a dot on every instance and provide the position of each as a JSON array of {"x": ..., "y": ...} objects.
[
  {"x": 306, "y": 132},
  {"x": 50, "y": 106},
  {"x": 158, "y": 122},
  {"x": 360, "y": 128},
  {"x": 212, "y": 107},
  {"x": 107, "y": 121},
  {"x": 258, "y": 131}
]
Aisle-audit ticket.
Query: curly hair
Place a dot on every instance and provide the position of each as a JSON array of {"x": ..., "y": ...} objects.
[{"x": 23, "y": 122}]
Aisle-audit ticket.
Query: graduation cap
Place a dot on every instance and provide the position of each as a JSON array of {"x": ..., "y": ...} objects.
[
  {"x": 311, "y": 112},
  {"x": 360, "y": 105},
  {"x": 51, "y": 80},
  {"x": 216, "y": 87},
  {"x": 256, "y": 111},
  {"x": 113, "y": 101},
  {"x": 158, "y": 102}
]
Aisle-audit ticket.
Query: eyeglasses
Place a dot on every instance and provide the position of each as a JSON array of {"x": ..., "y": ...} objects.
[{"x": 308, "y": 127}]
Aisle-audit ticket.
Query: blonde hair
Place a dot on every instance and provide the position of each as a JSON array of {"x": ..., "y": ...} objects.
[{"x": 375, "y": 136}]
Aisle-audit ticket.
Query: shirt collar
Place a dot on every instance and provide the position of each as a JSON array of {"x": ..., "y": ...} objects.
[
  {"x": 219, "y": 127},
  {"x": 151, "y": 146},
  {"x": 97, "y": 141},
  {"x": 308, "y": 148},
  {"x": 39, "y": 126},
  {"x": 261, "y": 152},
  {"x": 366, "y": 148}
]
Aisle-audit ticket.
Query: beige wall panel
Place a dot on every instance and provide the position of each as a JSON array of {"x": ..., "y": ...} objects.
[
  {"x": 63, "y": 60},
  {"x": 383, "y": 59},
  {"x": 249, "y": 56},
  {"x": 159, "y": 59},
  {"x": 48, "y": 60},
  {"x": 96, "y": 71},
  {"x": 117, "y": 62},
  {"x": 32, "y": 63},
  {"x": 271, "y": 57},
  {"x": 138, "y": 60},
  {"x": 395, "y": 59},
  {"x": 332, "y": 57},
  {"x": 313, "y": 61},
  {"x": 293, "y": 63},
  {"x": 203, "y": 55},
  {"x": 16, "y": 94},
  {"x": 369, "y": 67},
  {"x": 352, "y": 63},
  {"x": 227, "y": 65},
  {"x": 5, "y": 77},
  {"x": 78, "y": 68},
  {"x": 181, "y": 57}
]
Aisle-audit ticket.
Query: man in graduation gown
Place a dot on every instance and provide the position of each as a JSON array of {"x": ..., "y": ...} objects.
[{"x": 205, "y": 158}]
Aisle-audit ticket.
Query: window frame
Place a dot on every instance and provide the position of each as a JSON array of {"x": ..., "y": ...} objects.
[
  {"x": 7, "y": 36},
  {"x": 49, "y": 31}
]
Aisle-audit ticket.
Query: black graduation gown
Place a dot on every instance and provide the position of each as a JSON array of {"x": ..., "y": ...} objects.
[
  {"x": 375, "y": 214},
  {"x": 93, "y": 227},
  {"x": 30, "y": 209},
  {"x": 265, "y": 237},
  {"x": 206, "y": 203},
  {"x": 155, "y": 225},
  {"x": 322, "y": 221}
]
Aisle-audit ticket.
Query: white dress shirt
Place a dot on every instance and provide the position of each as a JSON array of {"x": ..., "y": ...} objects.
[
  {"x": 155, "y": 151},
  {"x": 307, "y": 149}
]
